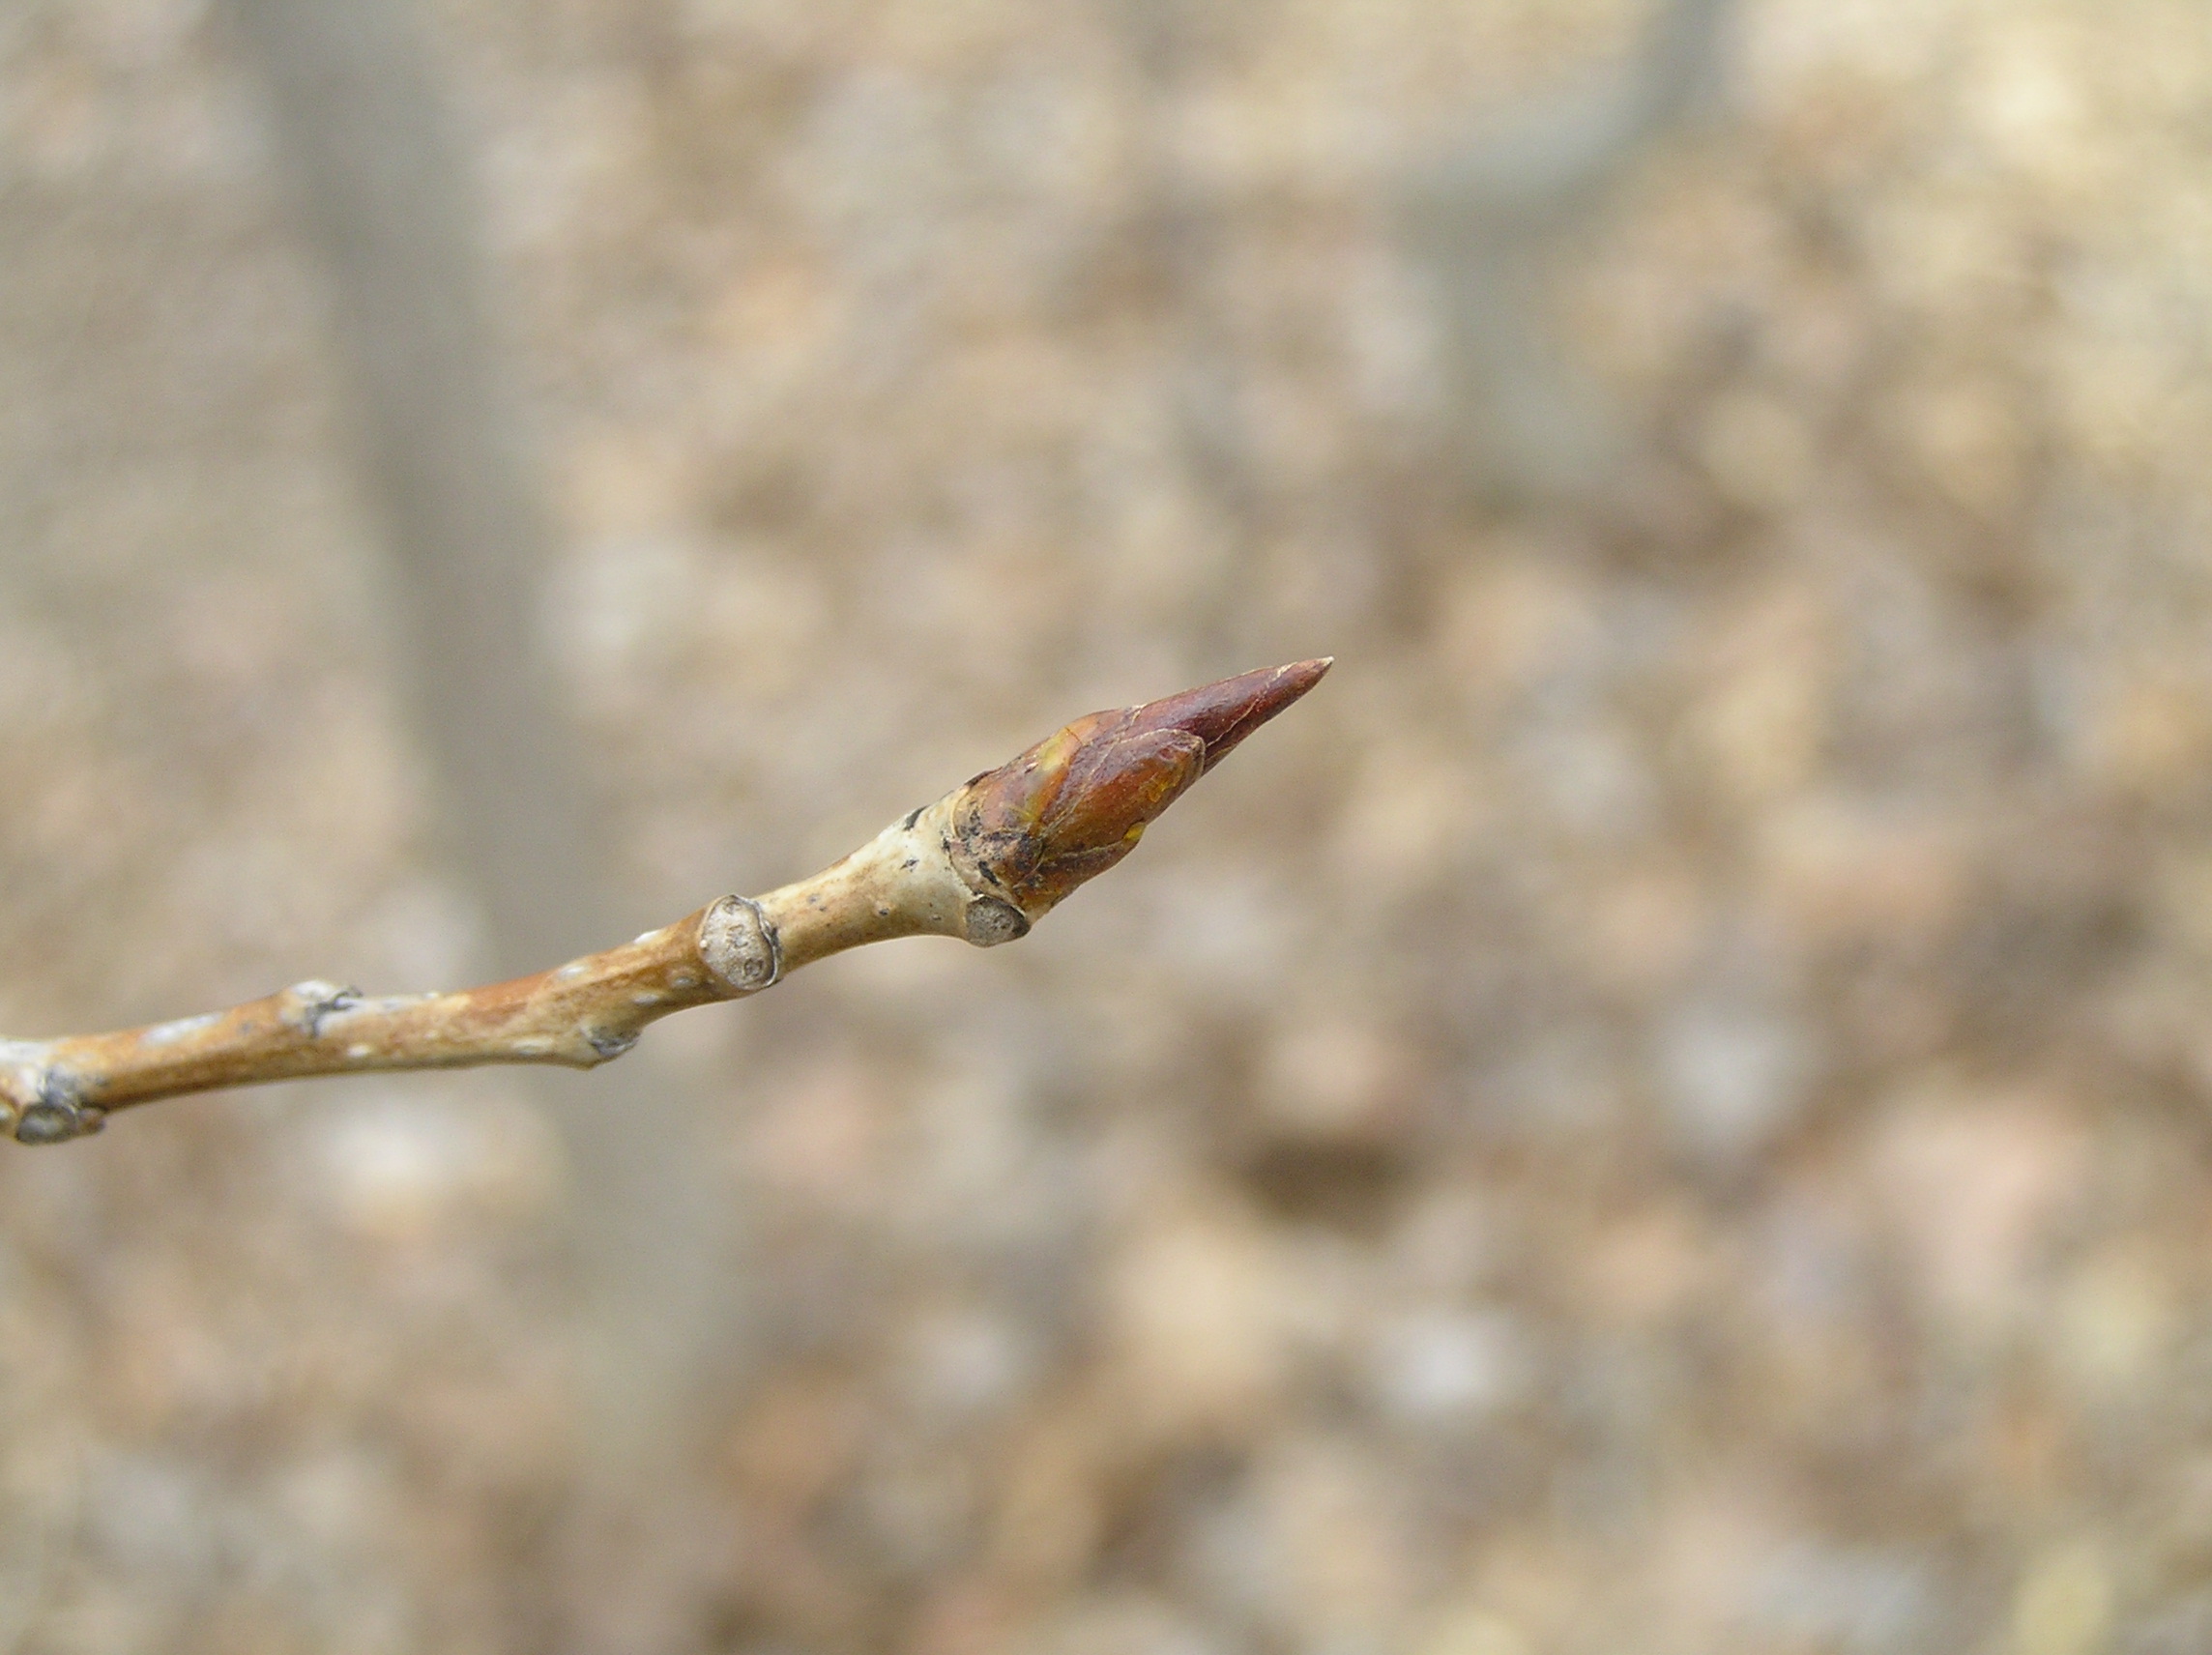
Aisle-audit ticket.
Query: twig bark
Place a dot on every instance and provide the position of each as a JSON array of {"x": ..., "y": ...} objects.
[{"x": 983, "y": 863}]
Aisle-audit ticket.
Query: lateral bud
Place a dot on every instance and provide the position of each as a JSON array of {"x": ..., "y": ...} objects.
[
  {"x": 740, "y": 945},
  {"x": 57, "y": 1114},
  {"x": 990, "y": 921}
]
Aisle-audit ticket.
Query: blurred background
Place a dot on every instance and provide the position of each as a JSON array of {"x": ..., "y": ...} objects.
[{"x": 1667, "y": 1108}]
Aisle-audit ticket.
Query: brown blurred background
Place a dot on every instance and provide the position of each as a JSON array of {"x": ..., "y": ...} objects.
[{"x": 1663, "y": 1110}]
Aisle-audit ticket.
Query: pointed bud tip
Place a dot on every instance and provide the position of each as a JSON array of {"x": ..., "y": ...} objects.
[{"x": 1224, "y": 712}]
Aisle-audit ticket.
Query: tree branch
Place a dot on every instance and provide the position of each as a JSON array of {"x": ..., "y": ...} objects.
[
  {"x": 1488, "y": 217},
  {"x": 984, "y": 863}
]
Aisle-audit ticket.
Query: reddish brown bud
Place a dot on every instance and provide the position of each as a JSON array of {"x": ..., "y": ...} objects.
[{"x": 1079, "y": 801}]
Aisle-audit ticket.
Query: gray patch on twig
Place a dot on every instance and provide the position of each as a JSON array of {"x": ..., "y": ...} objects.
[
  {"x": 305, "y": 1004},
  {"x": 610, "y": 1042},
  {"x": 58, "y": 1114},
  {"x": 740, "y": 945},
  {"x": 991, "y": 921},
  {"x": 43, "y": 1124}
]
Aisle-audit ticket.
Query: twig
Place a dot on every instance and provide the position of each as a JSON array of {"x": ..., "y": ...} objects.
[{"x": 985, "y": 862}]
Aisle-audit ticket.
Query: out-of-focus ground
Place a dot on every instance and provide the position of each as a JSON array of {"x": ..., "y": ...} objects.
[{"x": 1667, "y": 1108}]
